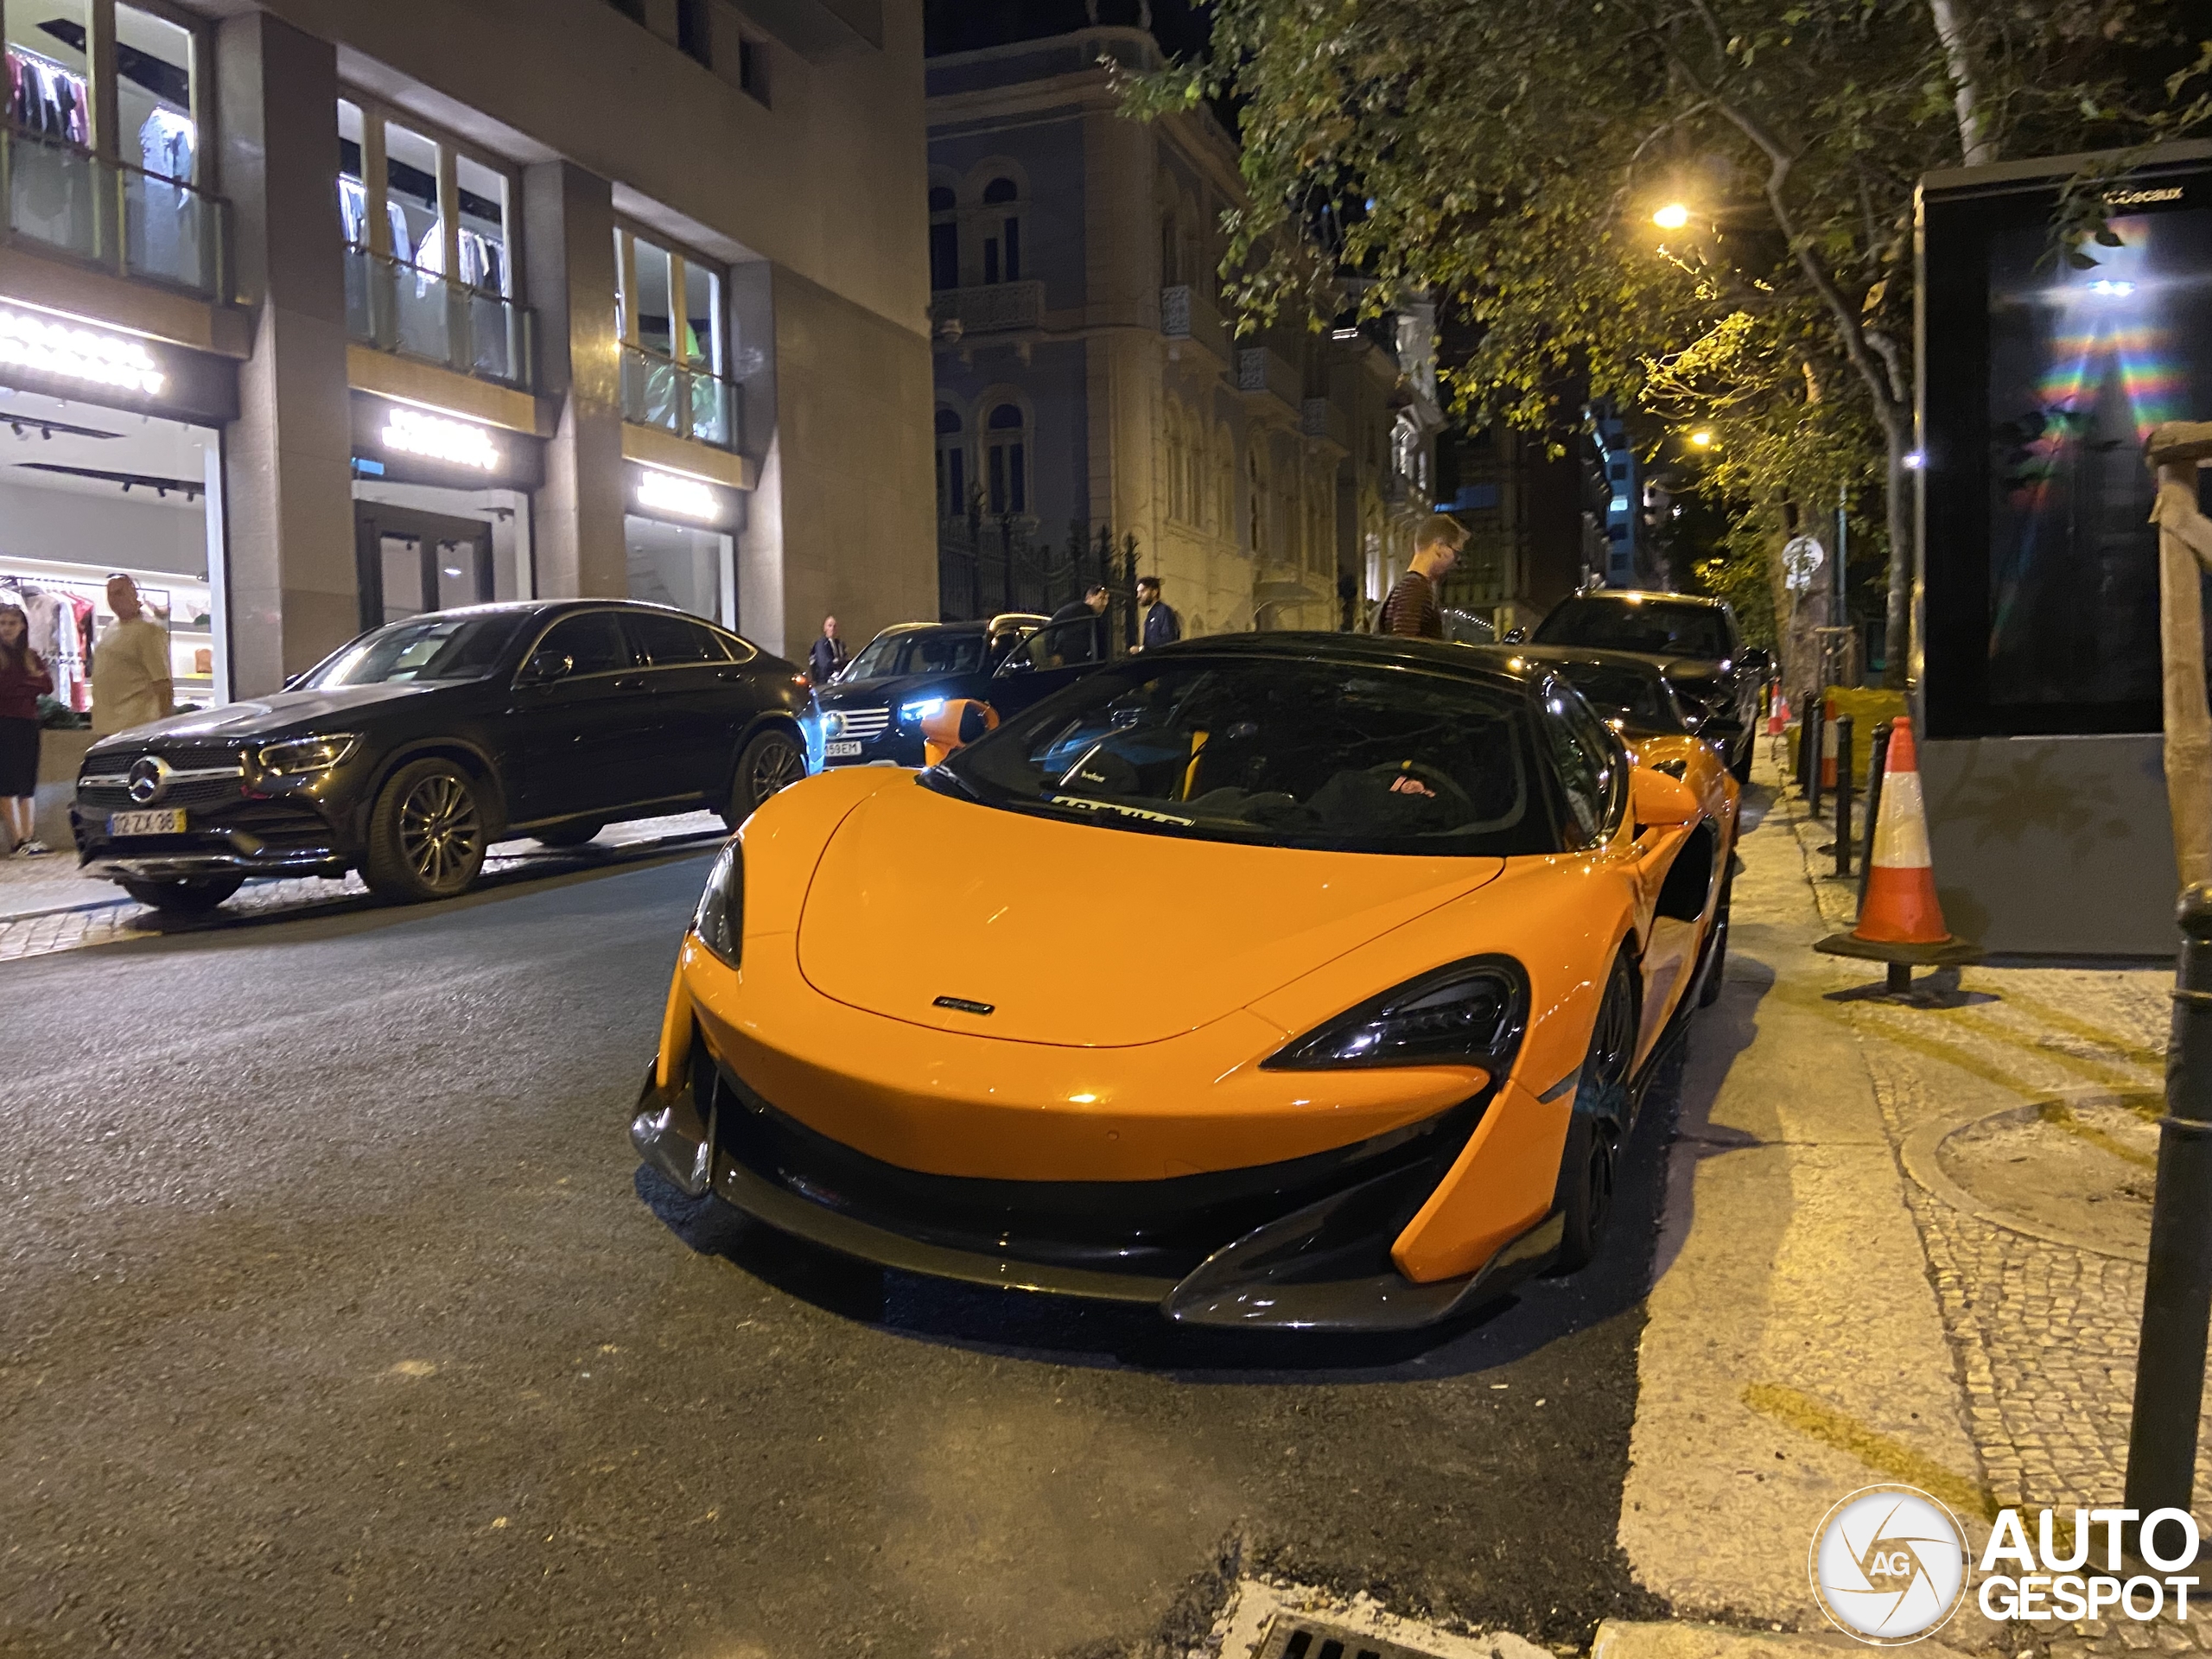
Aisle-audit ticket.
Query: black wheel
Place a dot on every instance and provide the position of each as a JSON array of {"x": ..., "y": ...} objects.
[
  {"x": 194, "y": 896},
  {"x": 1588, "y": 1168},
  {"x": 1716, "y": 948},
  {"x": 569, "y": 835},
  {"x": 770, "y": 762},
  {"x": 426, "y": 835}
]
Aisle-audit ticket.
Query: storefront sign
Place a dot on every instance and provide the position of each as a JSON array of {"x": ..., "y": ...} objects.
[
  {"x": 91, "y": 355},
  {"x": 435, "y": 437},
  {"x": 683, "y": 498}
]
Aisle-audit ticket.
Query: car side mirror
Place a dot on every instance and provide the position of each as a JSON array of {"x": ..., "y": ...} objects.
[
  {"x": 1516, "y": 636},
  {"x": 546, "y": 666},
  {"x": 1755, "y": 658},
  {"x": 953, "y": 728},
  {"x": 1661, "y": 800}
]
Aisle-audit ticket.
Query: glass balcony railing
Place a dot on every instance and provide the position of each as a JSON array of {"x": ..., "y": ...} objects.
[
  {"x": 108, "y": 213},
  {"x": 404, "y": 310},
  {"x": 683, "y": 398}
]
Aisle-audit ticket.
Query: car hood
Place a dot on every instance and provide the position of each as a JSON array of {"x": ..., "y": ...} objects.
[
  {"x": 1073, "y": 934},
  {"x": 891, "y": 687},
  {"x": 276, "y": 716}
]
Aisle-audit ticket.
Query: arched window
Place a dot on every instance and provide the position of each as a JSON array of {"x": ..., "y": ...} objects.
[
  {"x": 945, "y": 236},
  {"x": 1002, "y": 232},
  {"x": 1224, "y": 483},
  {"x": 1179, "y": 504},
  {"x": 951, "y": 465},
  {"x": 1194, "y": 487},
  {"x": 1006, "y": 460},
  {"x": 1256, "y": 501}
]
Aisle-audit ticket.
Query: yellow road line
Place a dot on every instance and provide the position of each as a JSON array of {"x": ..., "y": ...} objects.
[
  {"x": 2056, "y": 1113},
  {"x": 1818, "y": 1420}
]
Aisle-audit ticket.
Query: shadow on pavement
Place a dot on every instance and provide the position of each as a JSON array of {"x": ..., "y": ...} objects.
[{"x": 1066, "y": 1331}]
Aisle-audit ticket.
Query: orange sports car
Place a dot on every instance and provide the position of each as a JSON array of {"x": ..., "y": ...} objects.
[{"x": 1303, "y": 981}]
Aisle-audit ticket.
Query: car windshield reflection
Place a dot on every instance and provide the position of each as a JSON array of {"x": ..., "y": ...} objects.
[{"x": 443, "y": 648}]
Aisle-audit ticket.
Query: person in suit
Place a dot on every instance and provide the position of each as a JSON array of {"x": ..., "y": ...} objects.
[{"x": 828, "y": 654}]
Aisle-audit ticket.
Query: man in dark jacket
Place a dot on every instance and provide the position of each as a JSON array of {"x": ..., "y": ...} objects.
[
  {"x": 1161, "y": 626},
  {"x": 829, "y": 654},
  {"x": 1082, "y": 644},
  {"x": 1413, "y": 607}
]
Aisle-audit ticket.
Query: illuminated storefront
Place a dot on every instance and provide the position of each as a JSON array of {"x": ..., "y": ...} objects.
[
  {"x": 441, "y": 510},
  {"x": 678, "y": 532}
]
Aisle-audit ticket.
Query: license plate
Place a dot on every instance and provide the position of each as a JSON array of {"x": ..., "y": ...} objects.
[
  {"x": 843, "y": 749},
  {"x": 164, "y": 822}
]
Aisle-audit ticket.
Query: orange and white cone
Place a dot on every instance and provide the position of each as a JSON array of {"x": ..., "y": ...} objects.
[
  {"x": 1827, "y": 745},
  {"x": 1777, "y": 717},
  {"x": 1900, "y": 921}
]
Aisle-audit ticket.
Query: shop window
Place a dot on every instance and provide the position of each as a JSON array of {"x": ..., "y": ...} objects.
[
  {"x": 951, "y": 465},
  {"x": 944, "y": 238},
  {"x": 48, "y": 86},
  {"x": 1007, "y": 459},
  {"x": 670, "y": 311},
  {"x": 686, "y": 568},
  {"x": 1002, "y": 232}
]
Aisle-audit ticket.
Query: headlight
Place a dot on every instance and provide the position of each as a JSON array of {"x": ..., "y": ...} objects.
[
  {"x": 1471, "y": 1013},
  {"x": 308, "y": 754},
  {"x": 720, "y": 919},
  {"x": 920, "y": 710}
]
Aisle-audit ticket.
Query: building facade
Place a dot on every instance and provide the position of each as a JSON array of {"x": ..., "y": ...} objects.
[
  {"x": 313, "y": 315},
  {"x": 1088, "y": 382}
]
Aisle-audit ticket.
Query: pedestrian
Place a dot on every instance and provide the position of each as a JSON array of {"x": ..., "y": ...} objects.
[
  {"x": 24, "y": 679},
  {"x": 1161, "y": 626},
  {"x": 1082, "y": 644},
  {"x": 1413, "y": 608},
  {"x": 130, "y": 665},
  {"x": 829, "y": 657}
]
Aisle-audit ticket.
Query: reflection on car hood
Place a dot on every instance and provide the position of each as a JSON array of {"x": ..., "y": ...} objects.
[
  {"x": 275, "y": 716},
  {"x": 919, "y": 895}
]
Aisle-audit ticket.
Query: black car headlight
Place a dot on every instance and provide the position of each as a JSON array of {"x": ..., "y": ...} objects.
[
  {"x": 1470, "y": 1013},
  {"x": 307, "y": 755},
  {"x": 720, "y": 919}
]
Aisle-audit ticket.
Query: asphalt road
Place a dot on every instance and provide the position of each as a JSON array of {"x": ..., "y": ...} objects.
[{"x": 336, "y": 1317}]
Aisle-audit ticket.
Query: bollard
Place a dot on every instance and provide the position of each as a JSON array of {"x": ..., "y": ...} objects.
[
  {"x": 2177, "y": 1288},
  {"x": 1843, "y": 735},
  {"x": 1877, "y": 767},
  {"x": 1815, "y": 719}
]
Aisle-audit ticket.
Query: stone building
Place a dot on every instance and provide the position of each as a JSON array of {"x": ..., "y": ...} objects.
[
  {"x": 314, "y": 315},
  {"x": 1087, "y": 376}
]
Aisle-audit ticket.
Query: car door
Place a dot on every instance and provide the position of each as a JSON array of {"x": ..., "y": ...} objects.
[
  {"x": 582, "y": 706},
  {"x": 1047, "y": 660},
  {"x": 696, "y": 713}
]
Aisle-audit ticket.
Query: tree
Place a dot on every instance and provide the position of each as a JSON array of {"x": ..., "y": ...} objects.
[{"x": 1507, "y": 157}]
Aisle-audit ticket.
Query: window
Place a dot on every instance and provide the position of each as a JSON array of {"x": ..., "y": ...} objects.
[
  {"x": 669, "y": 311},
  {"x": 1006, "y": 460},
  {"x": 1002, "y": 232},
  {"x": 951, "y": 465},
  {"x": 671, "y": 642},
  {"x": 752, "y": 67},
  {"x": 945, "y": 236},
  {"x": 415, "y": 198},
  {"x": 593, "y": 642},
  {"x": 1177, "y": 495},
  {"x": 695, "y": 33}
]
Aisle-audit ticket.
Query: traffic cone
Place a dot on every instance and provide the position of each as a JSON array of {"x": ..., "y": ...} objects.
[
  {"x": 1900, "y": 921},
  {"x": 1777, "y": 715},
  {"x": 1828, "y": 745}
]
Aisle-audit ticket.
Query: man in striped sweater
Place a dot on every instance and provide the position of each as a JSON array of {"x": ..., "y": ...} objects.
[{"x": 1415, "y": 607}]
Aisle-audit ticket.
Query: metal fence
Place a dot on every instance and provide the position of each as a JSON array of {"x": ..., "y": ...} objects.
[
  {"x": 988, "y": 564},
  {"x": 111, "y": 214}
]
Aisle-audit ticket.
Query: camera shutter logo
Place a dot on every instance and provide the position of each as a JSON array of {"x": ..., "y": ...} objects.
[{"x": 1889, "y": 1564}]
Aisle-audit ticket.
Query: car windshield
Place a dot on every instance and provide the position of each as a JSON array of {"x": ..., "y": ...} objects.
[
  {"x": 1639, "y": 701},
  {"x": 1653, "y": 626},
  {"x": 919, "y": 651},
  {"x": 424, "y": 648},
  {"x": 1274, "y": 751}
]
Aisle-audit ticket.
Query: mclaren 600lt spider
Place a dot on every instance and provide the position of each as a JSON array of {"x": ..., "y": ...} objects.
[{"x": 1298, "y": 981}]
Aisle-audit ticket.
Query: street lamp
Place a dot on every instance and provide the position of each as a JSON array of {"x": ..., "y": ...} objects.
[
  {"x": 1672, "y": 216},
  {"x": 1702, "y": 438}
]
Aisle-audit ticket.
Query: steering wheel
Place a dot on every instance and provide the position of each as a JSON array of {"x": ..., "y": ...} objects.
[{"x": 1444, "y": 783}]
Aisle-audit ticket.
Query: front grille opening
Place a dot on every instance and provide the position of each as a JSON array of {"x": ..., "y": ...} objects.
[{"x": 1291, "y": 1637}]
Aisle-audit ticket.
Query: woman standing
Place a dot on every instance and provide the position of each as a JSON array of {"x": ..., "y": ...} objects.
[{"x": 24, "y": 680}]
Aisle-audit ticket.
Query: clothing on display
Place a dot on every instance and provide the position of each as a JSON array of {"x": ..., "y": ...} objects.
[
  {"x": 169, "y": 230},
  {"x": 48, "y": 98},
  {"x": 166, "y": 143}
]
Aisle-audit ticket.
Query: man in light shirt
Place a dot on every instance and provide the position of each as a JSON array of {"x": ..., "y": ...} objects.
[{"x": 130, "y": 665}]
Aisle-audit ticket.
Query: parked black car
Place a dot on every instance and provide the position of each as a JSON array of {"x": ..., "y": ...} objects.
[
  {"x": 873, "y": 712},
  {"x": 410, "y": 751},
  {"x": 1629, "y": 693},
  {"x": 1694, "y": 640}
]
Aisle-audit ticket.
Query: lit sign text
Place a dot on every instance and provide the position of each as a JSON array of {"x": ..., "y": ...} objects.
[
  {"x": 435, "y": 438},
  {"x": 87, "y": 354}
]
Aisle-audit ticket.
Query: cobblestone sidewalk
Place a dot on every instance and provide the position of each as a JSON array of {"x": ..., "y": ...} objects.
[
  {"x": 2041, "y": 1311},
  {"x": 45, "y": 905}
]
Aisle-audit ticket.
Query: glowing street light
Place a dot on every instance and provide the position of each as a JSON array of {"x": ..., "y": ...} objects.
[
  {"x": 1672, "y": 216},
  {"x": 1702, "y": 438}
]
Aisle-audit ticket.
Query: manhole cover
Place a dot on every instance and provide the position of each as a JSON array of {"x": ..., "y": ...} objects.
[
  {"x": 1291, "y": 1637},
  {"x": 2083, "y": 1166}
]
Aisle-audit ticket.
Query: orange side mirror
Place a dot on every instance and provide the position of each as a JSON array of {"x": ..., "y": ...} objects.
[
  {"x": 957, "y": 725},
  {"x": 1658, "y": 798}
]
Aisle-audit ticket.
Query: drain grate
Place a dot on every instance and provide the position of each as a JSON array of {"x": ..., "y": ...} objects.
[{"x": 1290, "y": 1637}]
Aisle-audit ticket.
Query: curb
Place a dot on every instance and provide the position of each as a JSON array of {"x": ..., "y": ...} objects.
[{"x": 1918, "y": 1155}]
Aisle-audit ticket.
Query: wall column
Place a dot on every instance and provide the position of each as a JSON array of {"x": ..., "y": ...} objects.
[
  {"x": 569, "y": 269},
  {"x": 293, "y": 593}
]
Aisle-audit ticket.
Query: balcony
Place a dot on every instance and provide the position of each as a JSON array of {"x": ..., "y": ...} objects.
[
  {"x": 400, "y": 307},
  {"x": 1262, "y": 374},
  {"x": 994, "y": 307},
  {"x": 119, "y": 217},
  {"x": 1319, "y": 419},
  {"x": 1186, "y": 312},
  {"x": 681, "y": 398}
]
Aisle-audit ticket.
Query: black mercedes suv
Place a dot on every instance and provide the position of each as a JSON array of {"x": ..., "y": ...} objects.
[
  {"x": 873, "y": 712},
  {"x": 410, "y": 751}
]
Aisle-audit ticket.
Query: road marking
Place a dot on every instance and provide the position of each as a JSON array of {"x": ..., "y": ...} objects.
[{"x": 1818, "y": 1420}]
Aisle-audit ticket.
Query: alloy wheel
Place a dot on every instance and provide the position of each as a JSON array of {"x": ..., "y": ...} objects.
[
  {"x": 778, "y": 765},
  {"x": 440, "y": 835}
]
